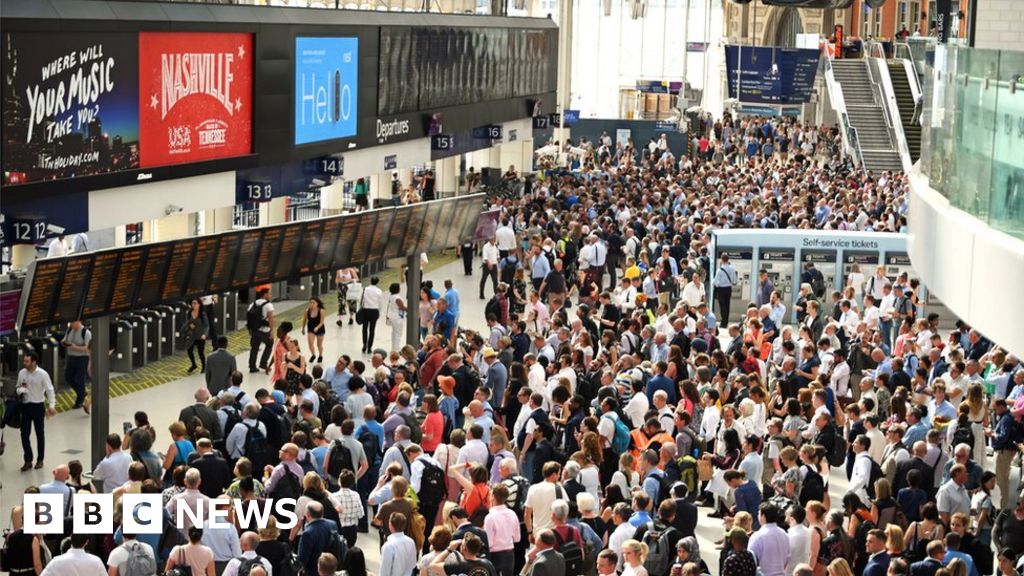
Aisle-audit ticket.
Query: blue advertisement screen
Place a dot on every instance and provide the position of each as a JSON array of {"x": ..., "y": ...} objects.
[{"x": 326, "y": 88}]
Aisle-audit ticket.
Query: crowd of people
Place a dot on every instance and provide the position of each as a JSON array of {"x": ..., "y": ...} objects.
[{"x": 608, "y": 394}]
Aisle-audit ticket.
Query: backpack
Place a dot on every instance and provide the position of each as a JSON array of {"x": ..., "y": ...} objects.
[
  {"x": 279, "y": 430},
  {"x": 660, "y": 553},
  {"x": 433, "y": 486},
  {"x": 963, "y": 435},
  {"x": 620, "y": 441},
  {"x": 818, "y": 283},
  {"x": 341, "y": 459},
  {"x": 522, "y": 488},
  {"x": 492, "y": 308},
  {"x": 307, "y": 463},
  {"x": 414, "y": 427},
  {"x": 254, "y": 319},
  {"x": 813, "y": 487},
  {"x": 371, "y": 446},
  {"x": 233, "y": 419},
  {"x": 138, "y": 563},
  {"x": 245, "y": 565},
  {"x": 570, "y": 550},
  {"x": 330, "y": 514},
  {"x": 664, "y": 487},
  {"x": 327, "y": 404},
  {"x": 289, "y": 486},
  {"x": 170, "y": 536},
  {"x": 876, "y": 473},
  {"x": 838, "y": 454},
  {"x": 688, "y": 475},
  {"x": 257, "y": 448}
]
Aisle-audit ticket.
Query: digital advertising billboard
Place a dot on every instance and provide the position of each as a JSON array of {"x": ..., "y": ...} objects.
[
  {"x": 195, "y": 96},
  {"x": 70, "y": 105},
  {"x": 326, "y": 88}
]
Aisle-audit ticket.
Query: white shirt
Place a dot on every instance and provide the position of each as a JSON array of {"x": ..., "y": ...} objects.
[
  {"x": 871, "y": 316},
  {"x": 474, "y": 451},
  {"x": 693, "y": 294},
  {"x": 886, "y": 307},
  {"x": 709, "y": 422},
  {"x": 539, "y": 499},
  {"x": 877, "y": 444},
  {"x": 637, "y": 406},
  {"x": 398, "y": 556},
  {"x": 623, "y": 532},
  {"x": 222, "y": 540},
  {"x": 799, "y": 546},
  {"x": 232, "y": 568},
  {"x": 372, "y": 298},
  {"x": 840, "y": 380},
  {"x": 75, "y": 562},
  {"x": 113, "y": 470},
  {"x": 57, "y": 248},
  {"x": 36, "y": 387},
  {"x": 861, "y": 476},
  {"x": 490, "y": 253},
  {"x": 505, "y": 238}
]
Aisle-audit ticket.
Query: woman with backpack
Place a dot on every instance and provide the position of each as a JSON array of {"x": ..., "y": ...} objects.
[{"x": 313, "y": 490}]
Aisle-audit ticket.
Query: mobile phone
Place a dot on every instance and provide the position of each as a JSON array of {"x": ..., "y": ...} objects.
[{"x": 127, "y": 427}]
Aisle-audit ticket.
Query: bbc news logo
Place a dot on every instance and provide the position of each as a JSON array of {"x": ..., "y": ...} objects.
[{"x": 144, "y": 513}]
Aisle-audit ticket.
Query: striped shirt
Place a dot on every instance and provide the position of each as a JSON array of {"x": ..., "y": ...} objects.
[{"x": 351, "y": 507}]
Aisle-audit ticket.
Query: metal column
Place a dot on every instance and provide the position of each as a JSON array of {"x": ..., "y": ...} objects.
[
  {"x": 100, "y": 414},
  {"x": 412, "y": 300}
]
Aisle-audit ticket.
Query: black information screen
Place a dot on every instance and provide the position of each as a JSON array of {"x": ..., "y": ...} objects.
[
  {"x": 325, "y": 251},
  {"x": 202, "y": 264},
  {"x": 269, "y": 249},
  {"x": 101, "y": 284},
  {"x": 152, "y": 281},
  {"x": 247, "y": 253},
  {"x": 399, "y": 230},
  {"x": 363, "y": 236},
  {"x": 346, "y": 239},
  {"x": 224, "y": 262},
  {"x": 127, "y": 280},
  {"x": 306, "y": 260},
  {"x": 381, "y": 237},
  {"x": 178, "y": 269},
  {"x": 431, "y": 223},
  {"x": 458, "y": 227},
  {"x": 41, "y": 300},
  {"x": 72, "y": 289},
  {"x": 290, "y": 244},
  {"x": 415, "y": 229}
]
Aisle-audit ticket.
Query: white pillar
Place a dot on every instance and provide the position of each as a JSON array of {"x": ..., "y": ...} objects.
[
  {"x": 274, "y": 212},
  {"x": 171, "y": 227},
  {"x": 332, "y": 198},
  {"x": 120, "y": 236},
  {"x": 446, "y": 175},
  {"x": 22, "y": 255},
  {"x": 565, "y": 17}
]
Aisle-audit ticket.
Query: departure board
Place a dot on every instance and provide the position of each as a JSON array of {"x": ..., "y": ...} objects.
[
  {"x": 247, "y": 253},
  {"x": 415, "y": 229},
  {"x": 224, "y": 262},
  {"x": 43, "y": 293},
  {"x": 346, "y": 239},
  {"x": 202, "y": 264},
  {"x": 364, "y": 235},
  {"x": 453, "y": 233},
  {"x": 178, "y": 269},
  {"x": 152, "y": 281},
  {"x": 431, "y": 223},
  {"x": 381, "y": 236},
  {"x": 399, "y": 230},
  {"x": 325, "y": 250},
  {"x": 305, "y": 261},
  {"x": 471, "y": 220},
  {"x": 127, "y": 280},
  {"x": 290, "y": 244},
  {"x": 101, "y": 284},
  {"x": 72, "y": 290},
  {"x": 270, "y": 247}
]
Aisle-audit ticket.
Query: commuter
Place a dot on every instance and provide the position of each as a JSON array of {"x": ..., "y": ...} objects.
[
  {"x": 77, "y": 340},
  {"x": 313, "y": 328},
  {"x": 259, "y": 321},
  {"x": 396, "y": 312},
  {"x": 369, "y": 311},
  {"x": 38, "y": 401},
  {"x": 220, "y": 364}
]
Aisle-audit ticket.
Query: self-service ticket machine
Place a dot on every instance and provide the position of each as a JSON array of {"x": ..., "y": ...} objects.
[
  {"x": 155, "y": 333},
  {"x": 48, "y": 348},
  {"x": 141, "y": 339},
  {"x": 865, "y": 260},
  {"x": 780, "y": 263},
  {"x": 300, "y": 289},
  {"x": 742, "y": 259},
  {"x": 825, "y": 262},
  {"x": 121, "y": 334},
  {"x": 166, "y": 328}
]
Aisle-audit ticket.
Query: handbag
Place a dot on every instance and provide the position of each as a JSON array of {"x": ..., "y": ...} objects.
[
  {"x": 181, "y": 568},
  {"x": 705, "y": 470},
  {"x": 362, "y": 313}
]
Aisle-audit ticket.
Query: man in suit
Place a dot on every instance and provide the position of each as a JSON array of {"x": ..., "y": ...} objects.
[
  {"x": 213, "y": 468},
  {"x": 205, "y": 414},
  {"x": 930, "y": 565},
  {"x": 544, "y": 559},
  {"x": 878, "y": 559},
  {"x": 920, "y": 451},
  {"x": 219, "y": 366}
]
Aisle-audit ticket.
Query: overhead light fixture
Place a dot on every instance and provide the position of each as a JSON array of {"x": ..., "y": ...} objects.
[{"x": 607, "y": 4}]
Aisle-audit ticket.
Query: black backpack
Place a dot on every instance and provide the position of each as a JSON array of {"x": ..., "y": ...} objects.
[
  {"x": 245, "y": 565},
  {"x": 414, "y": 427},
  {"x": 254, "y": 319},
  {"x": 813, "y": 487},
  {"x": 371, "y": 446},
  {"x": 257, "y": 448},
  {"x": 876, "y": 473},
  {"x": 289, "y": 486},
  {"x": 233, "y": 419},
  {"x": 279, "y": 429},
  {"x": 341, "y": 459},
  {"x": 817, "y": 283},
  {"x": 963, "y": 435},
  {"x": 570, "y": 550},
  {"x": 433, "y": 486},
  {"x": 327, "y": 404},
  {"x": 660, "y": 554}
]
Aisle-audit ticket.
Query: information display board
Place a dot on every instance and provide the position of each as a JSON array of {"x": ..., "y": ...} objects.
[
  {"x": 72, "y": 292},
  {"x": 105, "y": 282},
  {"x": 771, "y": 75},
  {"x": 101, "y": 283}
]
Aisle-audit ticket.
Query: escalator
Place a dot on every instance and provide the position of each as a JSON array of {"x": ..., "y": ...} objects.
[{"x": 905, "y": 101}]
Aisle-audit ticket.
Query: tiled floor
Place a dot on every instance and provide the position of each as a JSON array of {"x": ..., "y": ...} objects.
[{"x": 163, "y": 389}]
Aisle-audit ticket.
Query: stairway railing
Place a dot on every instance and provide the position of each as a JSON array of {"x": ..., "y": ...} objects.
[
  {"x": 890, "y": 109},
  {"x": 851, "y": 144}
]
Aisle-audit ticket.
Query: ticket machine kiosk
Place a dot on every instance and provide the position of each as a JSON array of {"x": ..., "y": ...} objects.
[
  {"x": 742, "y": 259},
  {"x": 825, "y": 262},
  {"x": 866, "y": 260},
  {"x": 780, "y": 263}
]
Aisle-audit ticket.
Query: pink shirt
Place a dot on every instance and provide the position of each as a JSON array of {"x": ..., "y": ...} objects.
[{"x": 502, "y": 527}]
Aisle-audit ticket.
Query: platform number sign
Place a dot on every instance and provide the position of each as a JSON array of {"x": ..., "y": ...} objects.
[
  {"x": 27, "y": 230},
  {"x": 331, "y": 165},
  {"x": 442, "y": 142},
  {"x": 259, "y": 191}
]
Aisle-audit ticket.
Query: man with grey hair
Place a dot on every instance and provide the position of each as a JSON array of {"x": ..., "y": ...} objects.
[
  {"x": 235, "y": 444},
  {"x": 204, "y": 413},
  {"x": 188, "y": 498},
  {"x": 403, "y": 437},
  {"x": 803, "y": 570},
  {"x": 248, "y": 542}
]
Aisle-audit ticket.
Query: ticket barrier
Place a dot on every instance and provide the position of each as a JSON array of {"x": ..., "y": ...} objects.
[
  {"x": 302, "y": 289},
  {"x": 241, "y": 308},
  {"x": 217, "y": 315},
  {"x": 279, "y": 291},
  {"x": 154, "y": 333},
  {"x": 140, "y": 339},
  {"x": 166, "y": 329},
  {"x": 13, "y": 358},
  {"x": 122, "y": 331},
  {"x": 229, "y": 304},
  {"x": 48, "y": 348},
  {"x": 181, "y": 312}
]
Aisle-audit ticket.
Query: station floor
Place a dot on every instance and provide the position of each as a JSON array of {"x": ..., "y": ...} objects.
[{"x": 163, "y": 388}]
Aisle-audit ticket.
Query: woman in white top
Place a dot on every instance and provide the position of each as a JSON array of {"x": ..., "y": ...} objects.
[
  {"x": 396, "y": 315},
  {"x": 625, "y": 477},
  {"x": 634, "y": 554},
  {"x": 856, "y": 281}
]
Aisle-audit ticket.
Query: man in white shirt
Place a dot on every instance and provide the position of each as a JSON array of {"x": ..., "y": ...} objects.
[
  {"x": 539, "y": 499},
  {"x": 877, "y": 283},
  {"x": 848, "y": 319},
  {"x": 489, "y": 266},
  {"x": 398, "y": 555},
  {"x": 119, "y": 556},
  {"x": 505, "y": 238},
  {"x": 799, "y": 538},
  {"x": 861, "y": 476},
  {"x": 35, "y": 389},
  {"x": 112, "y": 471},
  {"x": 871, "y": 313},
  {"x": 221, "y": 537},
  {"x": 248, "y": 541},
  {"x": 371, "y": 302},
  {"x": 76, "y": 561},
  {"x": 709, "y": 422},
  {"x": 840, "y": 374},
  {"x": 58, "y": 247}
]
